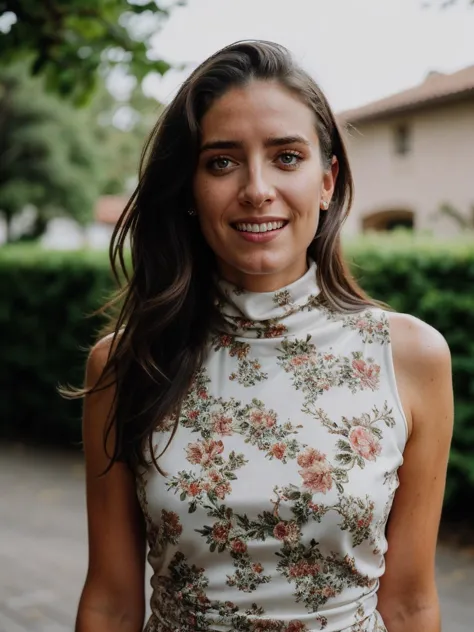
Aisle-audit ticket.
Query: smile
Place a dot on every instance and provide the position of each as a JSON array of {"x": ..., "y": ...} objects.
[{"x": 260, "y": 228}]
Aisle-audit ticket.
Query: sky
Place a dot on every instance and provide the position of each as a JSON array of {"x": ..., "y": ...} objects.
[{"x": 358, "y": 50}]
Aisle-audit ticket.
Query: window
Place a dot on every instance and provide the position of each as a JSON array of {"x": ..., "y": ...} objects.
[
  {"x": 402, "y": 137},
  {"x": 389, "y": 220}
]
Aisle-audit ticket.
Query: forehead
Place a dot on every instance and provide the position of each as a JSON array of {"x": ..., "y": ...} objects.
[{"x": 259, "y": 109}]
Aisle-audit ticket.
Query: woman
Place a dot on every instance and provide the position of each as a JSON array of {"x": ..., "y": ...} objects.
[{"x": 257, "y": 406}]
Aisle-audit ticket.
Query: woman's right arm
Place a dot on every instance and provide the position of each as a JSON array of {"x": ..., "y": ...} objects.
[{"x": 113, "y": 598}]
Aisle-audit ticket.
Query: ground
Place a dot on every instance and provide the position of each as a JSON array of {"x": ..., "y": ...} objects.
[{"x": 43, "y": 547}]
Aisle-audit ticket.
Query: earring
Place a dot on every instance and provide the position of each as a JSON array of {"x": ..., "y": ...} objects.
[
  {"x": 324, "y": 205},
  {"x": 192, "y": 212}
]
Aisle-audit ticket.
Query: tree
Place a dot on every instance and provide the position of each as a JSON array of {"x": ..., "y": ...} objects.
[
  {"x": 47, "y": 154},
  {"x": 71, "y": 40},
  {"x": 120, "y": 130}
]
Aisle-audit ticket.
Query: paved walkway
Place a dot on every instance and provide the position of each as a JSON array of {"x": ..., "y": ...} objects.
[{"x": 43, "y": 548}]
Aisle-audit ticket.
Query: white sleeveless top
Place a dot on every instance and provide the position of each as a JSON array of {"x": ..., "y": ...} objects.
[{"x": 281, "y": 475}]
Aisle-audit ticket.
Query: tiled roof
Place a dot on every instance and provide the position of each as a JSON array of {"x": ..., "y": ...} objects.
[
  {"x": 109, "y": 208},
  {"x": 436, "y": 88}
]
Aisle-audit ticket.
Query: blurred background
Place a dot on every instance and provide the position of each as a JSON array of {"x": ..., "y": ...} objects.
[{"x": 82, "y": 83}]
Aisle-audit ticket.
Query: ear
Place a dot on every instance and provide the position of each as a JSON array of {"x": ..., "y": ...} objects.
[{"x": 329, "y": 180}]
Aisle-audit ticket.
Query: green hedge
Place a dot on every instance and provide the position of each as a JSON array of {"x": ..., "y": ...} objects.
[{"x": 45, "y": 298}]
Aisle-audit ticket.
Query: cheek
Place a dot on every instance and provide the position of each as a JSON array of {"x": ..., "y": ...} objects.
[{"x": 210, "y": 198}]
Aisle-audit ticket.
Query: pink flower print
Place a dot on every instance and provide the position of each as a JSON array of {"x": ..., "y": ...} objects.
[
  {"x": 222, "y": 490},
  {"x": 244, "y": 324},
  {"x": 257, "y": 567},
  {"x": 293, "y": 533},
  {"x": 238, "y": 546},
  {"x": 280, "y": 531},
  {"x": 368, "y": 374},
  {"x": 275, "y": 331},
  {"x": 296, "y": 626},
  {"x": 328, "y": 592},
  {"x": 205, "y": 452},
  {"x": 212, "y": 449},
  {"x": 361, "y": 324},
  {"x": 304, "y": 569},
  {"x": 203, "y": 394},
  {"x": 257, "y": 417},
  {"x": 225, "y": 341},
  {"x": 270, "y": 419},
  {"x": 194, "y": 453},
  {"x": 278, "y": 450},
  {"x": 220, "y": 532},
  {"x": 214, "y": 476},
  {"x": 222, "y": 425},
  {"x": 194, "y": 489},
  {"x": 317, "y": 478},
  {"x": 300, "y": 359},
  {"x": 287, "y": 531},
  {"x": 309, "y": 457},
  {"x": 193, "y": 414},
  {"x": 364, "y": 443}
]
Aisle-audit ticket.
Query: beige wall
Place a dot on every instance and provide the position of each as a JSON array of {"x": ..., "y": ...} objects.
[{"x": 439, "y": 167}]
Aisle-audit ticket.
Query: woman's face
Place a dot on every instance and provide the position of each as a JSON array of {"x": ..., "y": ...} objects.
[{"x": 259, "y": 185}]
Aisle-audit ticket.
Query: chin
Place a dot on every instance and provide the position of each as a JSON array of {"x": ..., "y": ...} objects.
[{"x": 261, "y": 264}]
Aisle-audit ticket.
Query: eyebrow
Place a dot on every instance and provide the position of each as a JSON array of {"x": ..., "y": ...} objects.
[{"x": 269, "y": 142}]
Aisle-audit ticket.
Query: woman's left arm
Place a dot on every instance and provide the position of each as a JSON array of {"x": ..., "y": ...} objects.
[{"x": 408, "y": 599}]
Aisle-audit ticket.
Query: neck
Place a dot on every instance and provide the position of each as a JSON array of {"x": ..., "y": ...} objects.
[{"x": 263, "y": 282}]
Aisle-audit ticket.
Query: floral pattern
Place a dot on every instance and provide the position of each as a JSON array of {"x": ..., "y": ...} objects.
[
  {"x": 315, "y": 445},
  {"x": 371, "y": 328},
  {"x": 316, "y": 372},
  {"x": 249, "y": 371}
]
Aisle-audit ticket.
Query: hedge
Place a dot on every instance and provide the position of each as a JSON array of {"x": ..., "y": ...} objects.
[{"x": 46, "y": 297}]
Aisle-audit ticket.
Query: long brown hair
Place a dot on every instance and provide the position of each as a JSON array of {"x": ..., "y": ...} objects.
[{"x": 168, "y": 299}]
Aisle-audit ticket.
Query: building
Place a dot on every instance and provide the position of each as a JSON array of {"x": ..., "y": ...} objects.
[
  {"x": 412, "y": 154},
  {"x": 64, "y": 233}
]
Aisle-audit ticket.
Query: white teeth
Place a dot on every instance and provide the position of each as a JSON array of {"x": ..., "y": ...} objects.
[{"x": 260, "y": 228}]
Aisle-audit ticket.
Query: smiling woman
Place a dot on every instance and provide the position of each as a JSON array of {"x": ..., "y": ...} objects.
[
  {"x": 276, "y": 438},
  {"x": 249, "y": 176}
]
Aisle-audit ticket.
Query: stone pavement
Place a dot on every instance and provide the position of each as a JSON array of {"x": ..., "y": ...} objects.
[{"x": 43, "y": 547}]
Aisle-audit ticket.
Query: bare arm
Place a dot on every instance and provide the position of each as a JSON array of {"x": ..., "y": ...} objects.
[
  {"x": 113, "y": 598},
  {"x": 408, "y": 599}
]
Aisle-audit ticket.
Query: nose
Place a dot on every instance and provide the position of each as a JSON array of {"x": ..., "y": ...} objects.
[{"x": 256, "y": 191}]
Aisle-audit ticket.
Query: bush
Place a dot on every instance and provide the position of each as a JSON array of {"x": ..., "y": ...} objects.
[
  {"x": 435, "y": 282},
  {"x": 45, "y": 301},
  {"x": 45, "y": 297}
]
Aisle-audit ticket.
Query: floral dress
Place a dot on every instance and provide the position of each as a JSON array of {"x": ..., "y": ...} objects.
[{"x": 279, "y": 480}]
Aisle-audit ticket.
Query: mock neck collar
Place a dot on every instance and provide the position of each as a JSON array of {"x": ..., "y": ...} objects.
[{"x": 269, "y": 314}]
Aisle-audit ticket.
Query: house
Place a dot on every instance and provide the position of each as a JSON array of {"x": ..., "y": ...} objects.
[
  {"x": 64, "y": 233},
  {"x": 412, "y": 154}
]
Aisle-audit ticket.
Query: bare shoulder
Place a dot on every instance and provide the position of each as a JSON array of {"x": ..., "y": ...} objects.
[
  {"x": 97, "y": 360},
  {"x": 418, "y": 345},
  {"x": 422, "y": 362}
]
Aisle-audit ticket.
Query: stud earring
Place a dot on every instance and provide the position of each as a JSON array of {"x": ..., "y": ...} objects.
[
  {"x": 192, "y": 212},
  {"x": 324, "y": 205}
]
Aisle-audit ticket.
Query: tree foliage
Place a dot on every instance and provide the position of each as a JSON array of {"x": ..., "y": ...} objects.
[
  {"x": 120, "y": 132},
  {"x": 70, "y": 40},
  {"x": 48, "y": 156}
]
